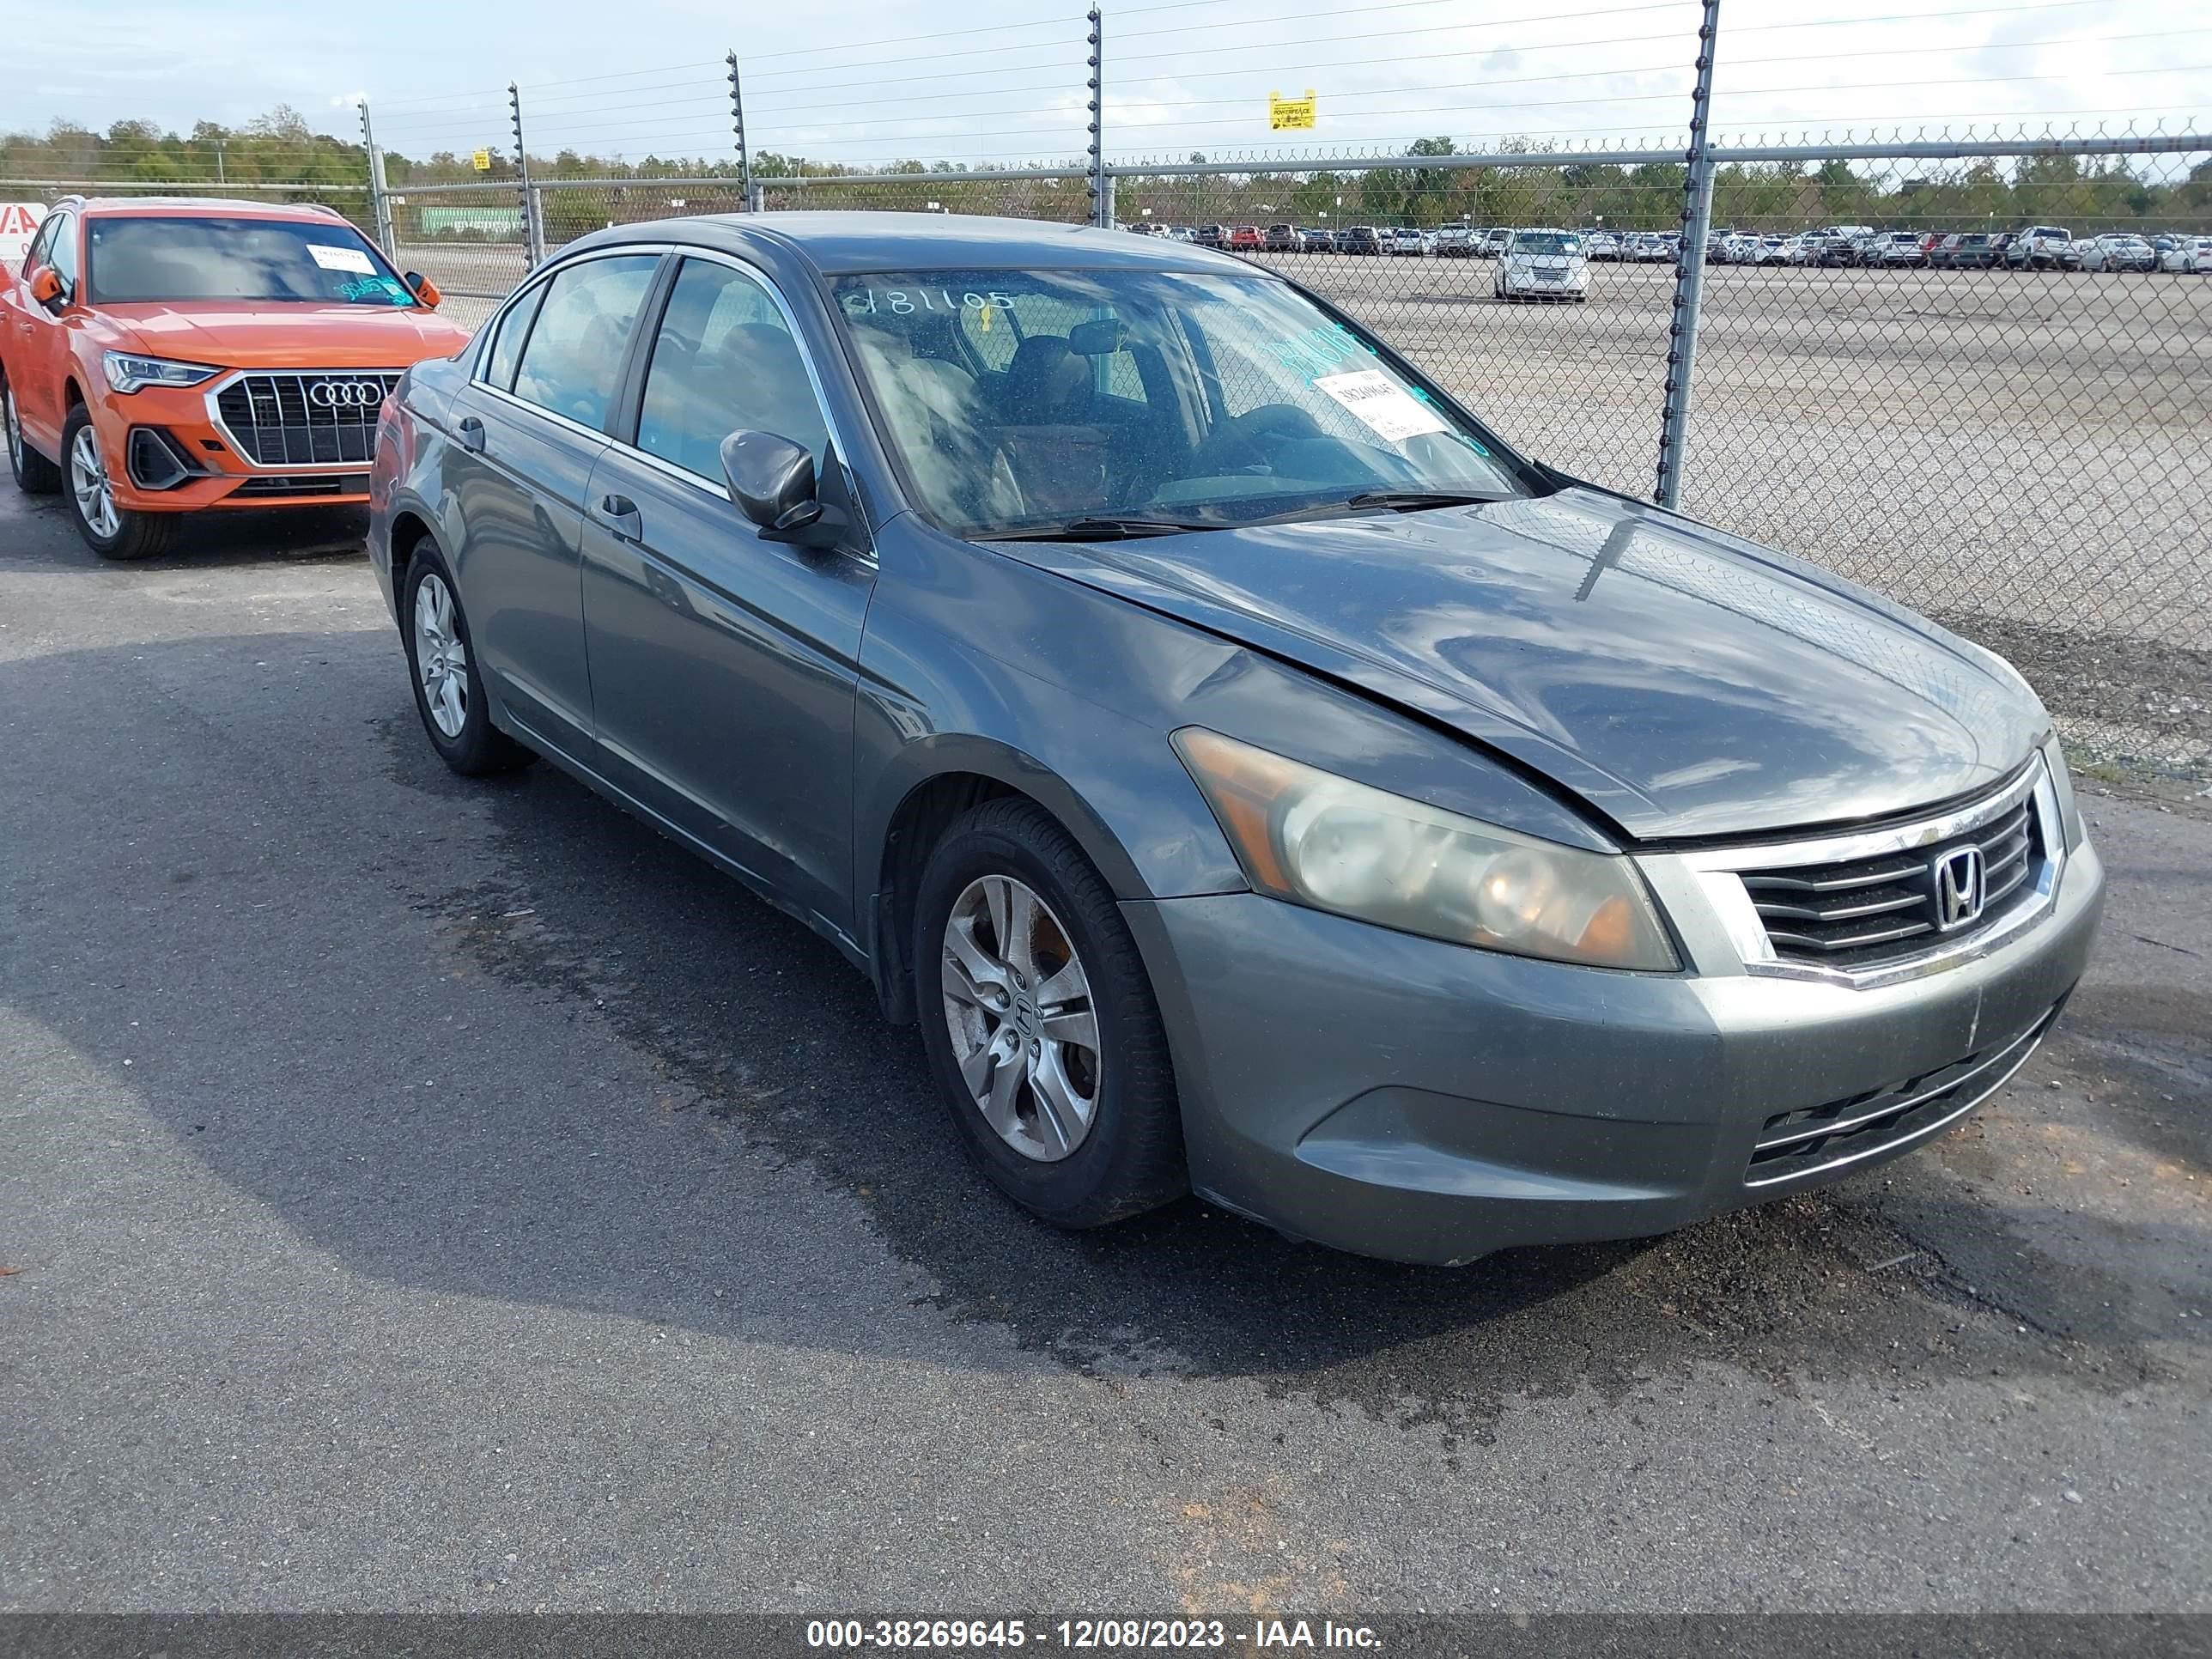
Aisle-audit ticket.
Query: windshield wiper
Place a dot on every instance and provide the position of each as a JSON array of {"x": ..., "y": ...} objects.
[
  {"x": 1413, "y": 501},
  {"x": 1098, "y": 530}
]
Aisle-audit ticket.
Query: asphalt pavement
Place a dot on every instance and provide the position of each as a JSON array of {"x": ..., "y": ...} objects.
[{"x": 421, "y": 1193}]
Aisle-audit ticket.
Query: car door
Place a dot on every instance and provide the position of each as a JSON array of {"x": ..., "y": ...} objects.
[
  {"x": 724, "y": 666},
  {"x": 40, "y": 347},
  {"x": 529, "y": 426}
]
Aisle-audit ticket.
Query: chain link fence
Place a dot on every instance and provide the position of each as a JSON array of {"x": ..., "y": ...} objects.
[{"x": 1905, "y": 372}]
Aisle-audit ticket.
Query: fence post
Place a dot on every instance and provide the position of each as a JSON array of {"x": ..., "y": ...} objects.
[
  {"x": 533, "y": 237},
  {"x": 1690, "y": 274},
  {"x": 738, "y": 127},
  {"x": 1102, "y": 187},
  {"x": 380, "y": 201}
]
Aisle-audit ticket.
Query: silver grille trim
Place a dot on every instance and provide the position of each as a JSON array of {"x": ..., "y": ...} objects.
[
  {"x": 273, "y": 423},
  {"x": 1721, "y": 873}
]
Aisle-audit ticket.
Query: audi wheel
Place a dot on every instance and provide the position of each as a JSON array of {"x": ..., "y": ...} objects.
[{"x": 111, "y": 530}]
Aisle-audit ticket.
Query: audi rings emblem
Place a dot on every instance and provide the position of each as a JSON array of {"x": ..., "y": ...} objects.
[{"x": 345, "y": 394}]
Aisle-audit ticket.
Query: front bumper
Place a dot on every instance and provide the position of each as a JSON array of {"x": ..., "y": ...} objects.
[
  {"x": 222, "y": 477},
  {"x": 1405, "y": 1099}
]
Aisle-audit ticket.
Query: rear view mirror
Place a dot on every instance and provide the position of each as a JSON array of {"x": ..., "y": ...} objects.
[
  {"x": 771, "y": 479},
  {"x": 46, "y": 287},
  {"x": 773, "y": 482},
  {"x": 1099, "y": 337},
  {"x": 422, "y": 288}
]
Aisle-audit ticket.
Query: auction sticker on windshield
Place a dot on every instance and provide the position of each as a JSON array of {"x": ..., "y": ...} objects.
[
  {"x": 340, "y": 258},
  {"x": 1381, "y": 404}
]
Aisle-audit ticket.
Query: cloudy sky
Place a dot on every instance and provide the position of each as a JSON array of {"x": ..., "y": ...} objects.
[{"x": 900, "y": 78}]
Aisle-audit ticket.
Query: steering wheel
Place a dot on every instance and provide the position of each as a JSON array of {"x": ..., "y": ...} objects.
[{"x": 1242, "y": 444}]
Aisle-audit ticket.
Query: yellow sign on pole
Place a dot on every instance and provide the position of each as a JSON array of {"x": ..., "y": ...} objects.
[
  {"x": 483, "y": 159},
  {"x": 1286, "y": 114}
]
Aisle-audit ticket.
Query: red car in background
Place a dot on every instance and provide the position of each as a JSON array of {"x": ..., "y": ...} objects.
[{"x": 1246, "y": 239}]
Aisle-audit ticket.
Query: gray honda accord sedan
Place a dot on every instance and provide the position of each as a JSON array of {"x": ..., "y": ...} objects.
[{"x": 1252, "y": 775}]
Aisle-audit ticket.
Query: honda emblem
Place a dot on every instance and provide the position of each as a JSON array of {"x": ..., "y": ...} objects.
[{"x": 1960, "y": 888}]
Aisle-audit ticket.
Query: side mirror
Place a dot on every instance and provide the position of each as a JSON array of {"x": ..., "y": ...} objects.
[
  {"x": 773, "y": 482},
  {"x": 422, "y": 288},
  {"x": 47, "y": 288}
]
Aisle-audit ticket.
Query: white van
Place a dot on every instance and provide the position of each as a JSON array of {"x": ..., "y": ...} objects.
[{"x": 1543, "y": 264}]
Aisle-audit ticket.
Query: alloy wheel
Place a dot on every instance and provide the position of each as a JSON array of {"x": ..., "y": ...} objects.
[
  {"x": 95, "y": 501},
  {"x": 1024, "y": 1030},
  {"x": 442, "y": 660},
  {"x": 15, "y": 430}
]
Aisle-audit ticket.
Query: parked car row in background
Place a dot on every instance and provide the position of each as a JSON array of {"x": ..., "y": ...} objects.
[{"x": 2035, "y": 247}]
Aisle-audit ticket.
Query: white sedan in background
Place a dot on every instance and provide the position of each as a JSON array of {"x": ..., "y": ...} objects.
[
  {"x": 1543, "y": 264},
  {"x": 2187, "y": 256}
]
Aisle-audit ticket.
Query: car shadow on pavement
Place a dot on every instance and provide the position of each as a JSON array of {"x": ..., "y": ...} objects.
[{"x": 499, "y": 1039}]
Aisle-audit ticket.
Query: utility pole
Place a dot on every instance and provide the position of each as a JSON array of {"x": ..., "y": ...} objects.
[
  {"x": 1690, "y": 274},
  {"x": 380, "y": 200},
  {"x": 1102, "y": 186},
  {"x": 533, "y": 238},
  {"x": 738, "y": 127}
]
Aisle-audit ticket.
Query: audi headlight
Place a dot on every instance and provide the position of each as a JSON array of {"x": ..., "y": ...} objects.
[
  {"x": 1319, "y": 839},
  {"x": 127, "y": 373}
]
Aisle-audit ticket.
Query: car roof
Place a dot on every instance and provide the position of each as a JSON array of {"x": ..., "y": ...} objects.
[
  {"x": 836, "y": 243},
  {"x": 202, "y": 207}
]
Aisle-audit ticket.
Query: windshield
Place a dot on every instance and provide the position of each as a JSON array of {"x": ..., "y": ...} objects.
[
  {"x": 1019, "y": 400},
  {"x": 1546, "y": 241},
  {"x": 174, "y": 257}
]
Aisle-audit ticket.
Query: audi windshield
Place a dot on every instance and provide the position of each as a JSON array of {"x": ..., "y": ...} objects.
[
  {"x": 1016, "y": 401},
  {"x": 158, "y": 258}
]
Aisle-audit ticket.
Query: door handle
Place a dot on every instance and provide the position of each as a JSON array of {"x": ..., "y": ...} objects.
[
  {"x": 622, "y": 517},
  {"x": 472, "y": 435}
]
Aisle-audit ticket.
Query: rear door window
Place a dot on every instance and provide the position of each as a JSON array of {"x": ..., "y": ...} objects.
[{"x": 574, "y": 352}]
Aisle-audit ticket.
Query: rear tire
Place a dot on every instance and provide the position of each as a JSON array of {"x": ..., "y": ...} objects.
[
  {"x": 1045, "y": 1043},
  {"x": 34, "y": 473},
  {"x": 441, "y": 665},
  {"x": 113, "y": 531}
]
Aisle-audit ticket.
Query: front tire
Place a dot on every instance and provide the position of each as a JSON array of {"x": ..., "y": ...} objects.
[
  {"x": 34, "y": 473},
  {"x": 1040, "y": 1023},
  {"x": 441, "y": 664},
  {"x": 113, "y": 531}
]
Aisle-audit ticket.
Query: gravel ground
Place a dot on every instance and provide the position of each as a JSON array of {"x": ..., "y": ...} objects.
[
  {"x": 419, "y": 1195},
  {"x": 2022, "y": 454}
]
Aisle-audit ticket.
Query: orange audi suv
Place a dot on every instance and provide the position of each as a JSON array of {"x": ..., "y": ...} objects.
[{"x": 159, "y": 357}]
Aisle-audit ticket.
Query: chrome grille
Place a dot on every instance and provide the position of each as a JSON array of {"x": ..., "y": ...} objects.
[
  {"x": 1859, "y": 912},
  {"x": 280, "y": 419}
]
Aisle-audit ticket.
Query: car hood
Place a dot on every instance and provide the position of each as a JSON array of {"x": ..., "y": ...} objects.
[
  {"x": 1682, "y": 682},
  {"x": 233, "y": 334}
]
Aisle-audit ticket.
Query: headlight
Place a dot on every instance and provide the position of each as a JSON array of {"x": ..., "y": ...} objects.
[
  {"x": 126, "y": 373},
  {"x": 1319, "y": 839}
]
